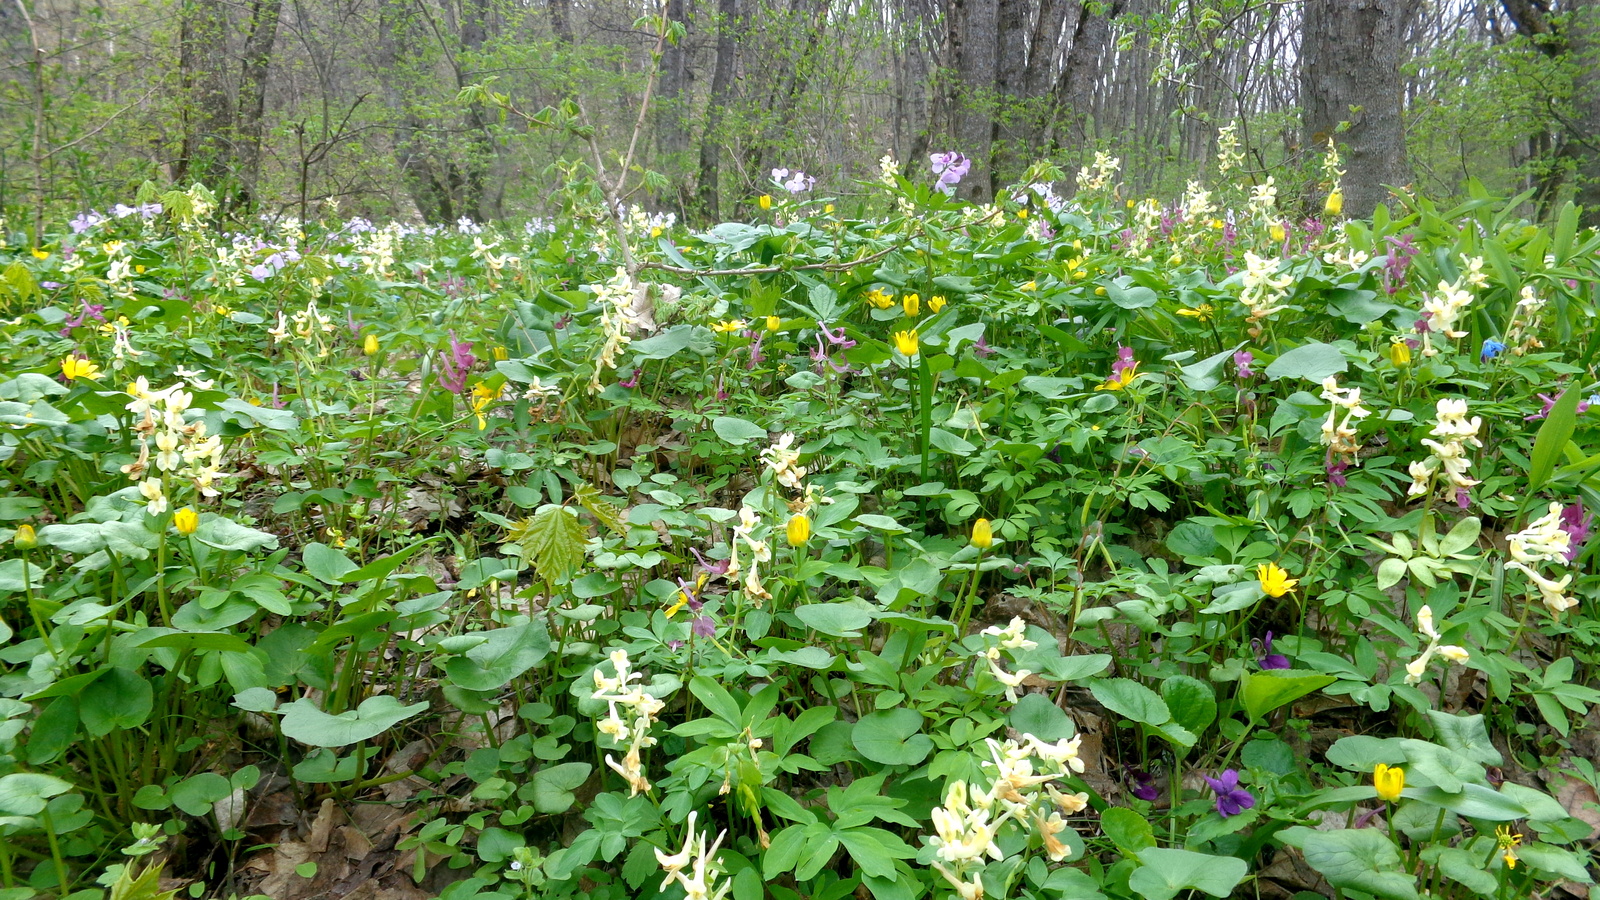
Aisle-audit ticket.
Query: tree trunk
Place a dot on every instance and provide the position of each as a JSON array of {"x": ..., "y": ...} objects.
[
  {"x": 427, "y": 190},
  {"x": 707, "y": 189},
  {"x": 970, "y": 87},
  {"x": 263, "y": 33},
  {"x": 1012, "y": 111},
  {"x": 206, "y": 154},
  {"x": 1073, "y": 95},
  {"x": 1350, "y": 56},
  {"x": 1583, "y": 43},
  {"x": 674, "y": 100}
]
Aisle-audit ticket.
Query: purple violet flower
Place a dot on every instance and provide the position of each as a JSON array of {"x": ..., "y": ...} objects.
[
  {"x": 704, "y": 626},
  {"x": 1231, "y": 799},
  {"x": 1265, "y": 658},
  {"x": 1144, "y": 785}
]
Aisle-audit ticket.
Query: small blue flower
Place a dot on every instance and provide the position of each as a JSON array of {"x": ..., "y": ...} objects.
[{"x": 1491, "y": 349}]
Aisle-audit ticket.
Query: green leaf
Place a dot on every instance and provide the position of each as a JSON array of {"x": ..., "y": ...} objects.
[
  {"x": 950, "y": 443},
  {"x": 17, "y": 575},
  {"x": 892, "y": 737},
  {"x": 1474, "y": 801},
  {"x": 1313, "y": 362},
  {"x": 554, "y": 540},
  {"x": 504, "y": 654},
  {"x": 1557, "y": 861},
  {"x": 1192, "y": 702},
  {"x": 326, "y": 564},
  {"x": 836, "y": 619},
  {"x": 1263, "y": 692},
  {"x": 552, "y": 786},
  {"x": 304, "y": 722},
  {"x": 1552, "y": 440},
  {"x": 196, "y": 794},
  {"x": 1035, "y": 714},
  {"x": 26, "y": 793},
  {"x": 117, "y": 700},
  {"x": 224, "y": 533},
  {"x": 737, "y": 431},
  {"x": 1131, "y": 700},
  {"x": 1466, "y": 869},
  {"x": 1360, "y": 859},
  {"x": 1166, "y": 871},
  {"x": 1127, "y": 829}
]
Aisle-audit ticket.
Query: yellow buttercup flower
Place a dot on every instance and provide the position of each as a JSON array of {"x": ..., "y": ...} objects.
[
  {"x": 186, "y": 520},
  {"x": 25, "y": 538},
  {"x": 500, "y": 354},
  {"x": 1029, "y": 286},
  {"x": 982, "y": 534},
  {"x": 828, "y": 210},
  {"x": 1203, "y": 312},
  {"x": 1277, "y": 232},
  {"x": 1507, "y": 842},
  {"x": 1389, "y": 780},
  {"x": 40, "y": 254},
  {"x": 1121, "y": 379},
  {"x": 935, "y": 303},
  {"x": 798, "y": 530},
  {"x": 1022, "y": 214},
  {"x": 655, "y": 231},
  {"x": 728, "y": 326},
  {"x": 906, "y": 342},
  {"x": 880, "y": 298},
  {"x": 1275, "y": 581},
  {"x": 370, "y": 345},
  {"x": 911, "y": 303},
  {"x": 482, "y": 396},
  {"x": 1335, "y": 204},
  {"x": 75, "y": 367},
  {"x": 765, "y": 201},
  {"x": 774, "y": 323}
]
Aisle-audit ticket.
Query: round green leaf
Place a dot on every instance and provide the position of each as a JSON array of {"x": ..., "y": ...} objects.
[
  {"x": 304, "y": 722},
  {"x": 892, "y": 737}
]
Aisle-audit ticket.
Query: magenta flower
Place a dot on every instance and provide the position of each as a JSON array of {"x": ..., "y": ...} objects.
[
  {"x": 1242, "y": 361},
  {"x": 453, "y": 369},
  {"x": 1550, "y": 403},
  {"x": 1231, "y": 799},
  {"x": 1125, "y": 363},
  {"x": 716, "y": 569},
  {"x": 1576, "y": 522},
  {"x": 1336, "y": 472}
]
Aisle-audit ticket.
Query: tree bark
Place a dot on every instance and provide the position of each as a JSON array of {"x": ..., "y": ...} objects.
[
  {"x": 674, "y": 100},
  {"x": 1583, "y": 43},
  {"x": 707, "y": 189},
  {"x": 252, "y": 107},
  {"x": 970, "y": 86},
  {"x": 1350, "y": 56},
  {"x": 207, "y": 109}
]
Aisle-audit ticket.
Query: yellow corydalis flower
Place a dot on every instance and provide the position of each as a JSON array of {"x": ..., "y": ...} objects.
[
  {"x": 982, "y": 534},
  {"x": 729, "y": 326},
  {"x": 911, "y": 303},
  {"x": 1275, "y": 582},
  {"x": 798, "y": 530},
  {"x": 186, "y": 520},
  {"x": 1389, "y": 781},
  {"x": 74, "y": 367},
  {"x": 906, "y": 342}
]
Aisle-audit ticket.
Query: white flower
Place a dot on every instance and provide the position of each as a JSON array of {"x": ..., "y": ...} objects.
[
  {"x": 1542, "y": 541},
  {"x": 1553, "y": 593}
]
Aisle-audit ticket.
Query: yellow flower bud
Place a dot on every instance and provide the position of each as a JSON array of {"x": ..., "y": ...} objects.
[
  {"x": 774, "y": 323},
  {"x": 1335, "y": 204},
  {"x": 186, "y": 520},
  {"x": 982, "y": 534},
  {"x": 828, "y": 210},
  {"x": 25, "y": 539},
  {"x": 766, "y": 201},
  {"x": 935, "y": 303},
  {"x": 370, "y": 346},
  {"x": 500, "y": 353},
  {"x": 1277, "y": 232},
  {"x": 906, "y": 342},
  {"x": 911, "y": 303},
  {"x": 1400, "y": 353},
  {"x": 1389, "y": 780},
  {"x": 798, "y": 530}
]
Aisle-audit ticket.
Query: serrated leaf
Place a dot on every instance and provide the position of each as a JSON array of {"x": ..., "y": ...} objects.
[
  {"x": 554, "y": 540},
  {"x": 590, "y": 498}
]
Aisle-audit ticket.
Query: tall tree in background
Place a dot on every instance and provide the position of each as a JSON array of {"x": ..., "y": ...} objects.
[
  {"x": 1582, "y": 44},
  {"x": 1350, "y": 54},
  {"x": 222, "y": 114}
]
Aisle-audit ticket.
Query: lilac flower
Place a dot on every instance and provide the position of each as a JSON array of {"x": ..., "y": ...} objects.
[
  {"x": 351, "y": 323},
  {"x": 1463, "y": 498},
  {"x": 1398, "y": 262},
  {"x": 453, "y": 369},
  {"x": 1576, "y": 522},
  {"x": 1144, "y": 785},
  {"x": 261, "y": 272},
  {"x": 795, "y": 182},
  {"x": 838, "y": 340},
  {"x": 50, "y": 285},
  {"x": 1491, "y": 349},
  {"x": 704, "y": 626},
  {"x": 1242, "y": 361},
  {"x": 85, "y": 221},
  {"x": 756, "y": 356},
  {"x": 1265, "y": 657},
  {"x": 1231, "y": 799},
  {"x": 1550, "y": 403},
  {"x": 1125, "y": 363},
  {"x": 716, "y": 569},
  {"x": 981, "y": 349},
  {"x": 951, "y": 168}
]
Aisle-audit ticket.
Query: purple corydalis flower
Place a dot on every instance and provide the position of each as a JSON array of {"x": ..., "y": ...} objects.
[
  {"x": 453, "y": 369},
  {"x": 716, "y": 569},
  {"x": 838, "y": 340},
  {"x": 704, "y": 626},
  {"x": 1124, "y": 363},
  {"x": 690, "y": 597},
  {"x": 951, "y": 168},
  {"x": 1242, "y": 361},
  {"x": 981, "y": 349},
  {"x": 1550, "y": 403},
  {"x": 1265, "y": 657},
  {"x": 1336, "y": 472},
  {"x": 631, "y": 382},
  {"x": 1576, "y": 522},
  {"x": 1231, "y": 799},
  {"x": 1401, "y": 250}
]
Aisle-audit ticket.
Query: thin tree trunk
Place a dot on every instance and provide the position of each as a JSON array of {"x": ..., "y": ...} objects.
[
  {"x": 707, "y": 189},
  {"x": 259, "y": 40}
]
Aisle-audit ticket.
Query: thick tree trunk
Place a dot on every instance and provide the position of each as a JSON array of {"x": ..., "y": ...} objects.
[
  {"x": 1012, "y": 110},
  {"x": 674, "y": 101},
  {"x": 1073, "y": 94},
  {"x": 708, "y": 187},
  {"x": 1350, "y": 55},
  {"x": 263, "y": 33},
  {"x": 206, "y": 155},
  {"x": 972, "y": 52},
  {"x": 396, "y": 34},
  {"x": 1583, "y": 43}
]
